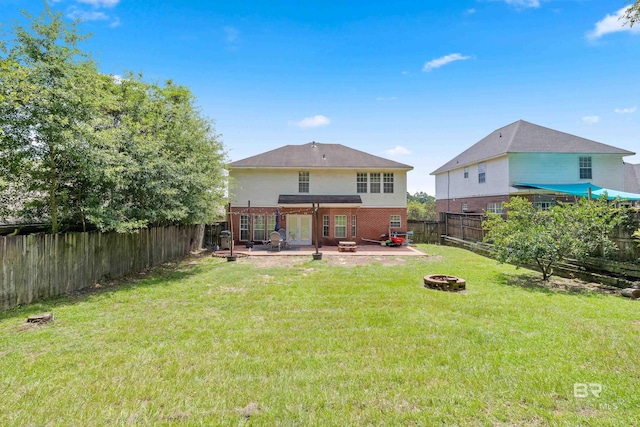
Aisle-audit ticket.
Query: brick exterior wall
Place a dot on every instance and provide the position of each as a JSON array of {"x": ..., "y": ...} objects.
[
  {"x": 479, "y": 204},
  {"x": 370, "y": 222}
]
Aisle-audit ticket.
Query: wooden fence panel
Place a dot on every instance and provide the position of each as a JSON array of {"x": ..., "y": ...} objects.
[{"x": 38, "y": 266}]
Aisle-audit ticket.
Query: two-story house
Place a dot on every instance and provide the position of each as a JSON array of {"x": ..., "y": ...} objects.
[
  {"x": 542, "y": 164},
  {"x": 356, "y": 195}
]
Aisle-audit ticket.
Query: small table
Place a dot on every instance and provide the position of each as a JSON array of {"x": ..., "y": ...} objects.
[{"x": 347, "y": 246}]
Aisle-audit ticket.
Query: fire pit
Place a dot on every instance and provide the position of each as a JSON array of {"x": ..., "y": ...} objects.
[{"x": 444, "y": 282}]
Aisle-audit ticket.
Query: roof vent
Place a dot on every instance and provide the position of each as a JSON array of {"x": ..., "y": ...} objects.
[
  {"x": 324, "y": 157},
  {"x": 313, "y": 144}
]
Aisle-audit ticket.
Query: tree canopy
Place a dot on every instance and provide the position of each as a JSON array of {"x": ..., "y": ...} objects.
[
  {"x": 632, "y": 13},
  {"x": 78, "y": 147},
  {"x": 546, "y": 237}
]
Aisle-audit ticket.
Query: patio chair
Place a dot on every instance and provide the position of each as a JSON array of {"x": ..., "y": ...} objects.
[
  {"x": 274, "y": 241},
  {"x": 283, "y": 238}
]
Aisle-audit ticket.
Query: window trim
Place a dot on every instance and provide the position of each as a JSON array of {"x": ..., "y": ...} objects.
[
  {"x": 495, "y": 207},
  {"x": 482, "y": 173},
  {"x": 353, "y": 225},
  {"x": 585, "y": 167},
  {"x": 325, "y": 225},
  {"x": 361, "y": 182},
  {"x": 466, "y": 172},
  {"x": 336, "y": 225},
  {"x": 395, "y": 221},
  {"x": 303, "y": 182},
  {"x": 375, "y": 185},
  {"x": 244, "y": 231},
  {"x": 388, "y": 180}
]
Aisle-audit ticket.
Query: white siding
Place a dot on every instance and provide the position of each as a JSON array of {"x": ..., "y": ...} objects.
[
  {"x": 453, "y": 184},
  {"x": 557, "y": 168},
  {"x": 262, "y": 187}
]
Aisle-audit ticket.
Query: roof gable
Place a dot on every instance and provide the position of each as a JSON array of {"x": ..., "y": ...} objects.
[
  {"x": 525, "y": 137},
  {"x": 317, "y": 155}
]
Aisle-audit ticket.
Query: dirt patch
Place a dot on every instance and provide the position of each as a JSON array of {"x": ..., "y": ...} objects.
[{"x": 560, "y": 284}]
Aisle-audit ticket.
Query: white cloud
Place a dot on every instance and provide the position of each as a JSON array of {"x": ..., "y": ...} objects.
[
  {"x": 591, "y": 119},
  {"x": 612, "y": 24},
  {"x": 398, "y": 150},
  {"x": 470, "y": 11},
  {"x": 447, "y": 59},
  {"x": 313, "y": 122},
  {"x": 84, "y": 15},
  {"x": 115, "y": 23},
  {"x": 100, "y": 3},
  {"x": 626, "y": 110},
  {"x": 523, "y": 3}
]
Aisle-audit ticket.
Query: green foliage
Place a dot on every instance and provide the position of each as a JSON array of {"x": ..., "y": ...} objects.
[
  {"x": 632, "y": 14},
  {"x": 421, "y": 206},
  {"x": 83, "y": 148},
  {"x": 544, "y": 238}
]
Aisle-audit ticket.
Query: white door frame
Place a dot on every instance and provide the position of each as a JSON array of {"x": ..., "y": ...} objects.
[{"x": 294, "y": 226}]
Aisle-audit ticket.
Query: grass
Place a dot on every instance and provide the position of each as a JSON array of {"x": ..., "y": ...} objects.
[{"x": 207, "y": 342}]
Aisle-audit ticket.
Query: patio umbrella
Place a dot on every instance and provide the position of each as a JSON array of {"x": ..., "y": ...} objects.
[{"x": 277, "y": 220}]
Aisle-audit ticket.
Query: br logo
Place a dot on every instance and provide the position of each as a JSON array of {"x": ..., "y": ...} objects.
[{"x": 582, "y": 390}]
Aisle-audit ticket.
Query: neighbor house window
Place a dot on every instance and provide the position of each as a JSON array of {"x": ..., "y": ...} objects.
[
  {"x": 543, "y": 206},
  {"x": 494, "y": 207},
  {"x": 465, "y": 207},
  {"x": 258, "y": 227},
  {"x": 482, "y": 169},
  {"x": 361, "y": 182},
  {"x": 244, "y": 227},
  {"x": 325, "y": 225},
  {"x": 375, "y": 182},
  {"x": 395, "y": 221},
  {"x": 303, "y": 182},
  {"x": 340, "y": 229},
  {"x": 466, "y": 172},
  {"x": 353, "y": 226},
  {"x": 388, "y": 182},
  {"x": 585, "y": 168}
]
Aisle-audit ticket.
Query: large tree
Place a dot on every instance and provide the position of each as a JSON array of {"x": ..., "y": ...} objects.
[
  {"x": 544, "y": 238},
  {"x": 83, "y": 148},
  {"x": 47, "y": 101}
]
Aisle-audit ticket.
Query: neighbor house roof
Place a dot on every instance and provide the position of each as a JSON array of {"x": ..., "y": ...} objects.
[
  {"x": 525, "y": 137},
  {"x": 317, "y": 155},
  {"x": 631, "y": 178}
]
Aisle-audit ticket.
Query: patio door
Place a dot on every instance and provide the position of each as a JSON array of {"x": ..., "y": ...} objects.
[{"x": 299, "y": 230}]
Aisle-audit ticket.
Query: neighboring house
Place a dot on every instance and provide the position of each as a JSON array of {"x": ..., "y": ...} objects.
[
  {"x": 542, "y": 164},
  {"x": 357, "y": 195}
]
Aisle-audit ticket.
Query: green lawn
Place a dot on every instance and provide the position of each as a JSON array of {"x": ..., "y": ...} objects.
[{"x": 208, "y": 342}]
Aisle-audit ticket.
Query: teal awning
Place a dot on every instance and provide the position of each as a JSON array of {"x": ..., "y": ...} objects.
[{"x": 582, "y": 190}]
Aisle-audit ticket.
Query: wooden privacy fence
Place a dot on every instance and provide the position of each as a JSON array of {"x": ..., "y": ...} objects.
[
  {"x": 425, "y": 231},
  {"x": 38, "y": 266}
]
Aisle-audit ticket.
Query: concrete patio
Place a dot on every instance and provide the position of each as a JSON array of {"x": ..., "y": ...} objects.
[{"x": 363, "y": 250}]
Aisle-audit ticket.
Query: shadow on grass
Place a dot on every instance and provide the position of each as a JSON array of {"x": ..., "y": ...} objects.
[
  {"x": 160, "y": 275},
  {"x": 556, "y": 285}
]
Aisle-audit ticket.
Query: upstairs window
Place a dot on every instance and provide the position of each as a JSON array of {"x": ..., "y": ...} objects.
[
  {"x": 585, "y": 168},
  {"x": 466, "y": 172},
  {"x": 388, "y": 182},
  {"x": 361, "y": 182},
  {"x": 482, "y": 169},
  {"x": 303, "y": 182},
  {"x": 375, "y": 182}
]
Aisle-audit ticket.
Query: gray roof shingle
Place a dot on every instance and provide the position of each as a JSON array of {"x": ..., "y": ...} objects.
[
  {"x": 317, "y": 155},
  {"x": 632, "y": 178},
  {"x": 525, "y": 137}
]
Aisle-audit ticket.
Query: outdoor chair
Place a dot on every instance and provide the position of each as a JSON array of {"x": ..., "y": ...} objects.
[
  {"x": 283, "y": 238},
  {"x": 274, "y": 241}
]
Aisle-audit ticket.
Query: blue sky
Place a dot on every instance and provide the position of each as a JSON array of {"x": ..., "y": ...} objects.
[{"x": 414, "y": 81}]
